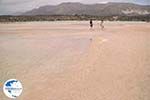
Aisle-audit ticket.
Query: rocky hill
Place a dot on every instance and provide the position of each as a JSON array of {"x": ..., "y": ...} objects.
[{"x": 109, "y": 9}]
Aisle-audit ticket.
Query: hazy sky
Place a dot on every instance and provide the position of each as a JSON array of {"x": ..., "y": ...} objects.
[{"x": 13, "y": 6}]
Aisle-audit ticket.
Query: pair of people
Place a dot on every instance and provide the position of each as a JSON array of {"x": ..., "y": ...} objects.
[{"x": 101, "y": 24}]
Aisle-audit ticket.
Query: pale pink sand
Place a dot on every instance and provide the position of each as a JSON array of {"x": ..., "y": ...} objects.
[{"x": 69, "y": 61}]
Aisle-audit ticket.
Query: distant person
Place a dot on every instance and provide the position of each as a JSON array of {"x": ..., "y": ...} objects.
[
  {"x": 91, "y": 23},
  {"x": 102, "y": 24}
]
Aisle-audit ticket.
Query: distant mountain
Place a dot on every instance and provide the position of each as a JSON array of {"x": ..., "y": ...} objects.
[{"x": 108, "y": 9}]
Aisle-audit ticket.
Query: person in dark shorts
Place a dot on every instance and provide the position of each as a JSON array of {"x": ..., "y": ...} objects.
[{"x": 91, "y": 23}]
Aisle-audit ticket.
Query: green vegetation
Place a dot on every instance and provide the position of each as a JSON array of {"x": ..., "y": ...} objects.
[{"x": 72, "y": 17}]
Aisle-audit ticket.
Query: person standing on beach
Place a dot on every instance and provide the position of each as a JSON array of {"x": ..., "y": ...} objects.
[
  {"x": 91, "y": 23},
  {"x": 101, "y": 24}
]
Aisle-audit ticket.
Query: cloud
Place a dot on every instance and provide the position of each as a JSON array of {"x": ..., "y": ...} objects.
[
  {"x": 13, "y": 2},
  {"x": 12, "y": 6}
]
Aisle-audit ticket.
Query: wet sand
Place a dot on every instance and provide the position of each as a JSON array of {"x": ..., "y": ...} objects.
[{"x": 70, "y": 61}]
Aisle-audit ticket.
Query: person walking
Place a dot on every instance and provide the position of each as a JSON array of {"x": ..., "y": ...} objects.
[
  {"x": 91, "y": 23},
  {"x": 101, "y": 24}
]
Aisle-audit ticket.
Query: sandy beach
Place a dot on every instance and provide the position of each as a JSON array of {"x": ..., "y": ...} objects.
[{"x": 66, "y": 60}]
